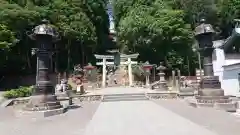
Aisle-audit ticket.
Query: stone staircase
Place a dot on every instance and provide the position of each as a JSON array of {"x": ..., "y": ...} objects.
[{"x": 124, "y": 97}]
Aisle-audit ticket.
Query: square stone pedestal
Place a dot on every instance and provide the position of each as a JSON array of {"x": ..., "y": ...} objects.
[
  {"x": 217, "y": 102},
  {"x": 211, "y": 95},
  {"x": 39, "y": 114}
]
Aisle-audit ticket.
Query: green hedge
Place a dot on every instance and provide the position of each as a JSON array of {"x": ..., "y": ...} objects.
[{"x": 20, "y": 92}]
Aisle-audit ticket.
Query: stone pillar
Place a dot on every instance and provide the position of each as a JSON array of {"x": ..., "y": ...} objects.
[
  {"x": 104, "y": 72},
  {"x": 173, "y": 79},
  {"x": 179, "y": 79},
  {"x": 130, "y": 72},
  {"x": 147, "y": 81}
]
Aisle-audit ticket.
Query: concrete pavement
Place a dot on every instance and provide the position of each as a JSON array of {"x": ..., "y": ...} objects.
[
  {"x": 221, "y": 122},
  {"x": 71, "y": 123},
  {"x": 145, "y": 117},
  {"x": 140, "y": 118}
]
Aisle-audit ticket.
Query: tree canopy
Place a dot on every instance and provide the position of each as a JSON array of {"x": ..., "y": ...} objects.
[{"x": 160, "y": 30}]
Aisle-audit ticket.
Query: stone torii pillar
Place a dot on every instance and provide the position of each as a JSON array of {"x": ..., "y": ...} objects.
[
  {"x": 130, "y": 72},
  {"x": 104, "y": 66},
  {"x": 129, "y": 62}
]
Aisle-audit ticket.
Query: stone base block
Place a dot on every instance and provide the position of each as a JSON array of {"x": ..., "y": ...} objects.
[
  {"x": 229, "y": 107},
  {"x": 226, "y": 106},
  {"x": 212, "y": 99},
  {"x": 159, "y": 86},
  {"x": 186, "y": 92},
  {"x": 40, "y": 114},
  {"x": 211, "y": 92},
  {"x": 194, "y": 103},
  {"x": 211, "y": 82},
  {"x": 42, "y": 103}
]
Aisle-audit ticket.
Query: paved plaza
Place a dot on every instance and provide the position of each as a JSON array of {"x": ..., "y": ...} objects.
[{"x": 143, "y": 117}]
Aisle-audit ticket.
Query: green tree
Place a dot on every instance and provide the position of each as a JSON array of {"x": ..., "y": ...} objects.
[
  {"x": 7, "y": 37},
  {"x": 153, "y": 27}
]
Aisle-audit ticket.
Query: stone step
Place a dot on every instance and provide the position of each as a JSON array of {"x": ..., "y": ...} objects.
[
  {"x": 186, "y": 94},
  {"x": 124, "y": 97}
]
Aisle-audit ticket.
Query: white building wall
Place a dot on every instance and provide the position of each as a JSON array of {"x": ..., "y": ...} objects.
[
  {"x": 222, "y": 60},
  {"x": 218, "y": 63},
  {"x": 231, "y": 61},
  {"x": 230, "y": 83}
]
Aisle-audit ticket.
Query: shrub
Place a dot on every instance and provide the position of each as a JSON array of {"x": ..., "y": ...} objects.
[{"x": 20, "y": 92}]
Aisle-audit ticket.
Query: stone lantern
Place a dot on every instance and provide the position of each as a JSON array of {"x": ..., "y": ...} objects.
[
  {"x": 78, "y": 78},
  {"x": 89, "y": 67},
  {"x": 162, "y": 81},
  {"x": 147, "y": 68},
  {"x": 43, "y": 97},
  {"x": 210, "y": 85},
  {"x": 89, "y": 71}
]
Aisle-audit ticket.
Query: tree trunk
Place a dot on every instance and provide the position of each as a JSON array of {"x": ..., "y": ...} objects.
[
  {"x": 28, "y": 61},
  {"x": 83, "y": 55},
  {"x": 69, "y": 56}
]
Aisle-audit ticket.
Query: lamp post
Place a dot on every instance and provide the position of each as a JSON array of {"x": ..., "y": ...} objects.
[
  {"x": 43, "y": 97},
  {"x": 147, "y": 68},
  {"x": 210, "y": 85}
]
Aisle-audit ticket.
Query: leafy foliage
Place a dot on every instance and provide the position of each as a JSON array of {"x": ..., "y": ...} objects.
[
  {"x": 161, "y": 28},
  {"x": 7, "y": 37},
  {"x": 20, "y": 92},
  {"x": 153, "y": 27}
]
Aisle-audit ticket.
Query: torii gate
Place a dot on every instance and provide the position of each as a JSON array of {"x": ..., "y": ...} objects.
[{"x": 104, "y": 63}]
